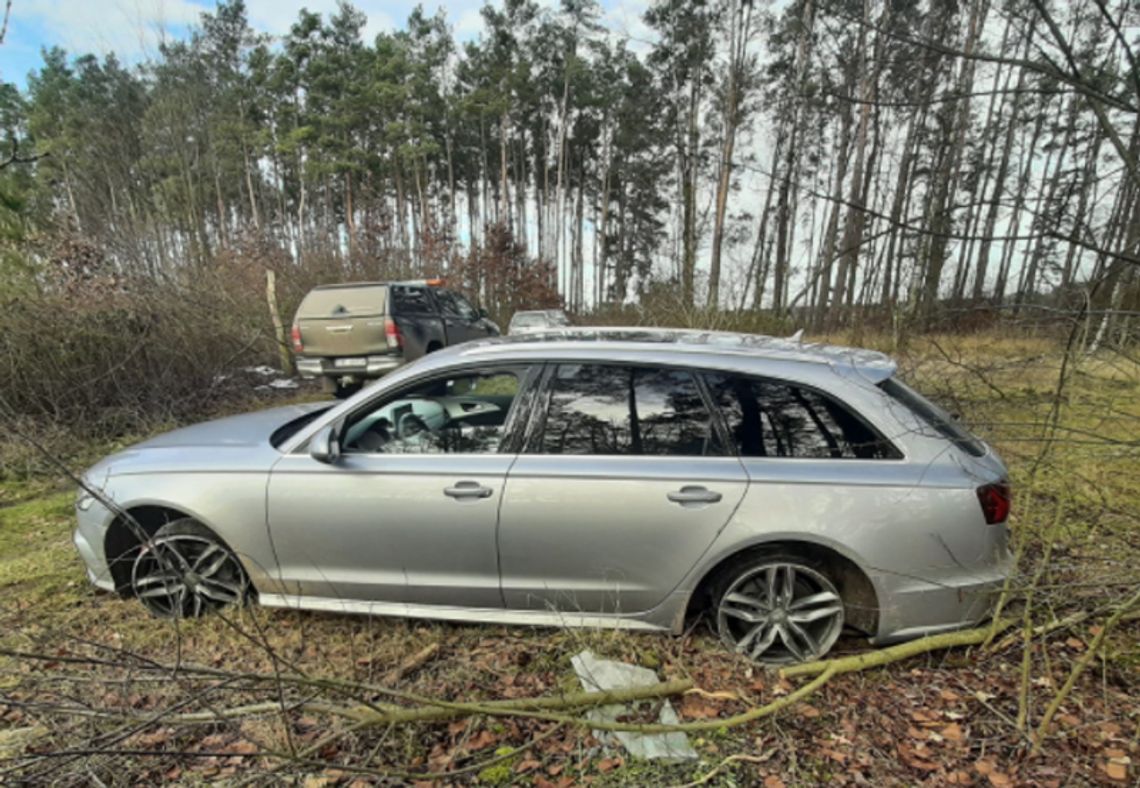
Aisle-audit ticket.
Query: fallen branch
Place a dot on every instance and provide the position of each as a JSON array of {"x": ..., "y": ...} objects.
[
  {"x": 885, "y": 656},
  {"x": 520, "y": 706},
  {"x": 501, "y": 708},
  {"x": 1079, "y": 668},
  {"x": 1044, "y": 629},
  {"x": 414, "y": 662},
  {"x": 738, "y": 758}
]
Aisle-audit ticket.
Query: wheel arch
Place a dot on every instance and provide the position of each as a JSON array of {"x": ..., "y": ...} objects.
[
  {"x": 122, "y": 540},
  {"x": 860, "y": 597}
]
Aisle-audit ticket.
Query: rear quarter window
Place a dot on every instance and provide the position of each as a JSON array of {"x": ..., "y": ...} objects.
[
  {"x": 774, "y": 418},
  {"x": 932, "y": 415}
]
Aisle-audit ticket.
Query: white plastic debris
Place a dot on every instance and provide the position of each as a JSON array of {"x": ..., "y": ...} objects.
[
  {"x": 283, "y": 383},
  {"x": 597, "y": 675},
  {"x": 262, "y": 370}
]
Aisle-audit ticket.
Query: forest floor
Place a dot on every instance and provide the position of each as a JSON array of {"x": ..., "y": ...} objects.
[{"x": 88, "y": 692}]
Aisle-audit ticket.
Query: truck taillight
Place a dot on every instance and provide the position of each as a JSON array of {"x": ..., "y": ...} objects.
[
  {"x": 392, "y": 332},
  {"x": 995, "y": 500},
  {"x": 298, "y": 346}
]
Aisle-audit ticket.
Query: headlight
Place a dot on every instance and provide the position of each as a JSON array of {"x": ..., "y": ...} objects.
[{"x": 84, "y": 500}]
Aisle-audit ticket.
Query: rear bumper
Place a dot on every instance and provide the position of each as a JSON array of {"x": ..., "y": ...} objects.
[
  {"x": 912, "y": 607},
  {"x": 366, "y": 366}
]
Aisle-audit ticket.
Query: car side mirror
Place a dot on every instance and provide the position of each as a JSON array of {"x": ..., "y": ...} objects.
[
  {"x": 325, "y": 445},
  {"x": 481, "y": 312}
]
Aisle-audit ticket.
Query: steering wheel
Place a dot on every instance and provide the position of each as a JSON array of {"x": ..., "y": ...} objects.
[{"x": 409, "y": 426}]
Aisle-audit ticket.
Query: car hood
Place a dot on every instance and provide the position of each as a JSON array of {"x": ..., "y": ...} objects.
[
  {"x": 248, "y": 429},
  {"x": 232, "y": 443}
]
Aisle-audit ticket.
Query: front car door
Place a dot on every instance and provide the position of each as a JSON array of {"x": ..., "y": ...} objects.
[
  {"x": 624, "y": 483},
  {"x": 408, "y": 512},
  {"x": 462, "y": 320}
]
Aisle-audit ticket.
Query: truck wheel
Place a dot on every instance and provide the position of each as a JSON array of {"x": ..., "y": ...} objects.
[{"x": 346, "y": 391}]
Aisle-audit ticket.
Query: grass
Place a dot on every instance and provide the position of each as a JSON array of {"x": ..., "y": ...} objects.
[{"x": 1006, "y": 388}]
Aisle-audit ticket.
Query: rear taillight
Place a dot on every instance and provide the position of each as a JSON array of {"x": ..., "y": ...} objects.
[
  {"x": 392, "y": 332},
  {"x": 995, "y": 500},
  {"x": 298, "y": 346}
]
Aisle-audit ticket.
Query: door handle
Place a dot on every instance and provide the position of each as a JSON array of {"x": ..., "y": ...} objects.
[
  {"x": 691, "y": 493},
  {"x": 467, "y": 489}
]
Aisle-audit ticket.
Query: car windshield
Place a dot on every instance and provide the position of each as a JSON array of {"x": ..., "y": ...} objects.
[{"x": 945, "y": 424}]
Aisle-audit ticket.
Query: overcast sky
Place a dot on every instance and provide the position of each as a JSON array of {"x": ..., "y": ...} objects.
[{"x": 132, "y": 29}]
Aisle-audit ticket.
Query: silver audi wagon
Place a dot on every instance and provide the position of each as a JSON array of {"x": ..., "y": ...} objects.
[{"x": 635, "y": 478}]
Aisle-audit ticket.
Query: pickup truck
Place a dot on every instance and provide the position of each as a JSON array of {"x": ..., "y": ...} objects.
[{"x": 345, "y": 334}]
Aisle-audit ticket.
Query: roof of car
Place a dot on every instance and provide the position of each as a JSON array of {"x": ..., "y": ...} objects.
[
  {"x": 678, "y": 340},
  {"x": 402, "y": 283}
]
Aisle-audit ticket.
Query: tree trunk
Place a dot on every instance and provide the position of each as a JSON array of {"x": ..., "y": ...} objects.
[{"x": 739, "y": 33}]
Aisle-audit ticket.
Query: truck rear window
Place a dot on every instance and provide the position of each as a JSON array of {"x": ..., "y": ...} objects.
[
  {"x": 408, "y": 299},
  {"x": 345, "y": 301},
  {"x": 945, "y": 424}
]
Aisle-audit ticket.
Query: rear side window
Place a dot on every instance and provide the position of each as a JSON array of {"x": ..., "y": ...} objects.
[
  {"x": 410, "y": 300},
  {"x": 601, "y": 409},
  {"x": 942, "y": 422},
  {"x": 770, "y": 418}
]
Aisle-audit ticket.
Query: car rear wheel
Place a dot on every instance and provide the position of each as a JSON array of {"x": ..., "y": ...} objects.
[
  {"x": 778, "y": 609},
  {"x": 185, "y": 571}
]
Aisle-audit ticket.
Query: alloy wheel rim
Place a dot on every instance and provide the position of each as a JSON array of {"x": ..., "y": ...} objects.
[
  {"x": 780, "y": 613},
  {"x": 185, "y": 576}
]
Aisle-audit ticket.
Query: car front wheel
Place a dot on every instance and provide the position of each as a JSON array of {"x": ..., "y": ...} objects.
[
  {"x": 185, "y": 571},
  {"x": 778, "y": 609}
]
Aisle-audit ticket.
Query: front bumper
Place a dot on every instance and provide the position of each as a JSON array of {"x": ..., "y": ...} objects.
[
  {"x": 372, "y": 367},
  {"x": 89, "y": 539}
]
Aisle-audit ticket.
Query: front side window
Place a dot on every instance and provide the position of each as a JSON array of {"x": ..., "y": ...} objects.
[
  {"x": 458, "y": 414},
  {"x": 599, "y": 409},
  {"x": 455, "y": 305},
  {"x": 770, "y": 418}
]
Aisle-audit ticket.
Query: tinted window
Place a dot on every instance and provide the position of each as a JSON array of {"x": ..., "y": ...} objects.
[
  {"x": 768, "y": 418},
  {"x": 940, "y": 420},
  {"x": 459, "y": 414},
  {"x": 455, "y": 305},
  {"x": 409, "y": 300},
  {"x": 597, "y": 409}
]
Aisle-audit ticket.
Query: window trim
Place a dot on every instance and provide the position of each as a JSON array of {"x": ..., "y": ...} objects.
[
  {"x": 508, "y": 445},
  {"x": 900, "y": 454},
  {"x": 536, "y": 428}
]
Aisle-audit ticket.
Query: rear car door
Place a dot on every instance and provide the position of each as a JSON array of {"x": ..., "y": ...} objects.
[
  {"x": 624, "y": 483},
  {"x": 409, "y": 511}
]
